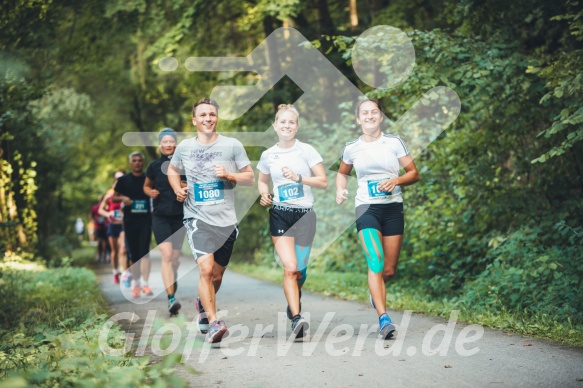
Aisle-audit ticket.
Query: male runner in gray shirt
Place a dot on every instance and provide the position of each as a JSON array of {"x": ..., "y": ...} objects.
[{"x": 213, "y": 165}]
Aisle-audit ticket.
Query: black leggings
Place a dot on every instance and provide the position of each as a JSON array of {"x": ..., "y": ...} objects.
[{"x": 138, "y": 237}]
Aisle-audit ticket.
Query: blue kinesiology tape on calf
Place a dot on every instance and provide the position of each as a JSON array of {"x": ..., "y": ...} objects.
[{"x": 303, "y": 257}]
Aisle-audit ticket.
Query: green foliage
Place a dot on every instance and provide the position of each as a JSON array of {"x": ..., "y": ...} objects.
[
  {"x": 500, "y": 190},
  {"x": 51, "y": 321},
  {"x": 526, "y": 276},
  {"x": 564, "y": 82}
]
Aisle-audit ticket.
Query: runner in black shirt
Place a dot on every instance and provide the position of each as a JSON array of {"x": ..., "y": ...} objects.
[
  {"x": 137, "y": 222},
  {"x": 167, "y": 215}
]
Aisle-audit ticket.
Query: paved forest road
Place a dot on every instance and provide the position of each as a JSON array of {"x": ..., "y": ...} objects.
[{"x": 338, "y": 352}]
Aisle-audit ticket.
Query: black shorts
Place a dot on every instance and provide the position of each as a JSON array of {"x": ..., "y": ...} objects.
[
  {"x": 114, "y": 230},
  {"x": 138, "y": 234},
  {"x": 387, "y": 218},
  {"x": 299, "y": 223},
  {"x": 169, "y": 229},
  {"x": 204, "y": 239},
  {"x": 100, "y": 234}
]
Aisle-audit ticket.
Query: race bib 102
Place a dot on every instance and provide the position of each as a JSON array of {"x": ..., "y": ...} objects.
[{"x": 290, "y": 192}]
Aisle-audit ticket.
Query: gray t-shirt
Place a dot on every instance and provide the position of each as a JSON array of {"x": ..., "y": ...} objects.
[{"x": 210, "y": 199}]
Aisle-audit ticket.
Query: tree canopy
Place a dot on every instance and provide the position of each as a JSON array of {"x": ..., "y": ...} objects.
[{"x": 497, "y": 217}]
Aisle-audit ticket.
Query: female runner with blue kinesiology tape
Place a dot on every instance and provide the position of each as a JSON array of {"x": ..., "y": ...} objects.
[
  {"x": 377, "y": 159},
  {"x": 294, "y": 168}
]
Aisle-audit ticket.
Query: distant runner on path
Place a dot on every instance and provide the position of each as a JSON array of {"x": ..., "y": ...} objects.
[{"x": 137, "y": 222}]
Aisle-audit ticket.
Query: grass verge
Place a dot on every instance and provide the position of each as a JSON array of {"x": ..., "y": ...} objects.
[
  {"x": 51, "y": 322},
  {"x": 353, "y": 287}
]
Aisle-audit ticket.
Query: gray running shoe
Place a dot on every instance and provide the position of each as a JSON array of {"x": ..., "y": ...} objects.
[
  {"x": 217, "y": 330},
  {"x": 299, "y": 326}
]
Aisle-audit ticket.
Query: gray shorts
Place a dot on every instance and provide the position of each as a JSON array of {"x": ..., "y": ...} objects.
[{"x": 204, "y": 239}]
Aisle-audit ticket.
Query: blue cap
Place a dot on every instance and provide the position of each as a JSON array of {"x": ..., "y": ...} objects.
[{"x": 166, "y": 132}]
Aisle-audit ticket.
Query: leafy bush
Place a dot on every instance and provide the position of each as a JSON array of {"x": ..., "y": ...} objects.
[
  {"x": 525, "y": 276},
  {"x": 51, "y": 320}
]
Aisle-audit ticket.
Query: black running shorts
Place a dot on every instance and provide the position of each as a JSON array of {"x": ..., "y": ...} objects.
[
  {"x": 204, "y": 239},
  {"x": 138, "y": 233},
  {"x": 387, "y": 218},
  {"x": 299, "y": 223},
  {"x": 114, "y": 230},
  {"x": 169, "y": 229}
]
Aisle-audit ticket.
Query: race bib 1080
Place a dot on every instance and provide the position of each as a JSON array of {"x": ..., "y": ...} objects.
[{"x": 209, "y": 193}]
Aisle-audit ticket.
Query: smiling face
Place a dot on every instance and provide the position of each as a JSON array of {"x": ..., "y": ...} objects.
[
  {"x": 286, "y": 125},
  {"x": 369, "y": 117},
  {"x": 205, "y": 119},
  {"x": 167, "y": 145}
]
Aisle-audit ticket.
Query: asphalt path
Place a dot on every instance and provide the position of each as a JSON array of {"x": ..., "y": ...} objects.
[{"x": 342, "y": 348}]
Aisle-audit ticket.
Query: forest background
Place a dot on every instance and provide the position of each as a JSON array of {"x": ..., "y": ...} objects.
[{"x": 495, "y": 224}]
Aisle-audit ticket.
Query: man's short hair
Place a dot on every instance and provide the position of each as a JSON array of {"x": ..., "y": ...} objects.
[
  {"x": 205, "y": 101},
  {"x": 136, "y": 153}
]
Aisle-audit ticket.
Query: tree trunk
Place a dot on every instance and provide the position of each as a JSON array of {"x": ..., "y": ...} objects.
[
  {"x": 324, "y": 24},
  {"x": 353, "y": 15}
]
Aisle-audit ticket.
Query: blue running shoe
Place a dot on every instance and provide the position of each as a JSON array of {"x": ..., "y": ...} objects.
[
  {"x": 288, "y": 310},
  {"x": 203, "y": 322},
  {"x": 173, "y": 306},
  {"x": 386, "y": 327},
  {"x": 217, "y": 330},
  {"x": 126, "y": 279}
]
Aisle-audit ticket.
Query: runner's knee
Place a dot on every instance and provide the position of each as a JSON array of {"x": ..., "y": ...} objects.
[{"x": 206, "y": 272}]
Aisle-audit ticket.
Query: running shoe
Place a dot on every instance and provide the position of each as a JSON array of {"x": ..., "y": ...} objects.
[
  {"x": 147, "y": 290},
  {"x": 136, "y": 292},
  {"x": 173, "y": 306},
  {"x": 386, "y": 327},
  {"x": 125, "y": 279},
  {"x": 217, "y": 330},
  {"x": 299, "y": 326},
  {"x": 116, "y": 278},
  {"x": 203, "y": 322},
  {"x": 288, "y": 310}
]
